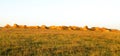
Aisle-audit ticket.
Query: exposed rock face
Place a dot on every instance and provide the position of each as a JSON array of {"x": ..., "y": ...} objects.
[
  {"x": 15, "y": 26},
  {"x": 52, "y": 27},
  {"x": 73, "y": 28},
  {"x": 43, "y": 27},
  {"x": 23, "y": 26},
  {"x": 85, "y": 28},
  {"x": 7, "y": 26}
]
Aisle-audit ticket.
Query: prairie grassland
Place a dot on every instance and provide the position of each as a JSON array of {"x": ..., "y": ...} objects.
[{"x": 37, "y": 42}]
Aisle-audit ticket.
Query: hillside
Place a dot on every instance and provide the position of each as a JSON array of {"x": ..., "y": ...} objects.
[{"x": 48, "y": 42}]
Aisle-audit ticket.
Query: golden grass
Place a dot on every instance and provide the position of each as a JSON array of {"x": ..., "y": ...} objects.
[{"x": 38, "y": 42}]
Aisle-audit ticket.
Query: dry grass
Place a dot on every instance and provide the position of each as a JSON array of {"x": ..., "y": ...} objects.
[{"x": 38, "y": 42}]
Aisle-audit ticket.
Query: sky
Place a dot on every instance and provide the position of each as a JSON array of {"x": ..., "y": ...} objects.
[{"x": 94, "y": 13}]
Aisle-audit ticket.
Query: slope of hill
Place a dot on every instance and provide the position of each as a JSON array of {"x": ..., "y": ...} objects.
[{"x": 38, "y": 42}]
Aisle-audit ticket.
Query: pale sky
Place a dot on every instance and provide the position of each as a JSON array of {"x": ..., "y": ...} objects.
[{"x": 102, "y": 13}]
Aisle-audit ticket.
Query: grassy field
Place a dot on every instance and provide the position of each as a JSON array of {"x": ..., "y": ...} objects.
[{"x": 37, "y": 42}]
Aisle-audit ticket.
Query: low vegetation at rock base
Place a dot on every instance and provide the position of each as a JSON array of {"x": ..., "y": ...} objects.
[{"x": 22, "y": 40}]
